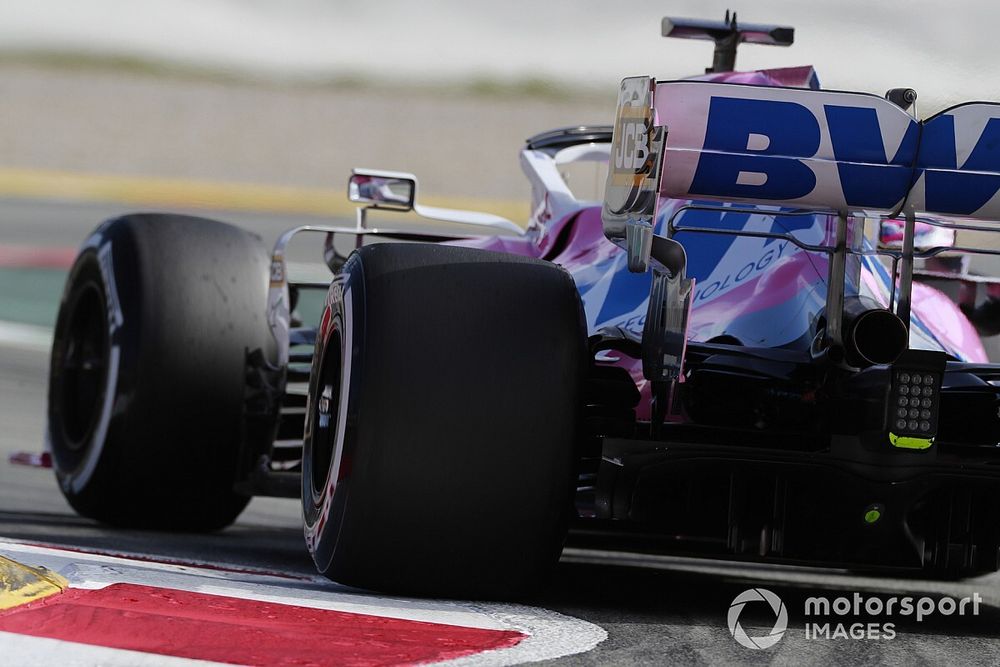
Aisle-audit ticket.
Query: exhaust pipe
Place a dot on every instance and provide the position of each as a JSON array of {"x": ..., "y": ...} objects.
[{"x": 872, "y": 335}]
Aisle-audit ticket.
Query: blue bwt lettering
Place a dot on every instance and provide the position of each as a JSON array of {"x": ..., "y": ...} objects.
[
  {"x": 792, "y": 132},
  {"x": 867, "y": 177},
  {"x": 948, "y": 187},
  {"x": 758, "y": 150}
]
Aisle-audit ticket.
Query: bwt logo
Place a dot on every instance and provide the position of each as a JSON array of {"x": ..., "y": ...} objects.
[
  {"x": 633, "y": 150},
  {"x": 760, "y": 149}
]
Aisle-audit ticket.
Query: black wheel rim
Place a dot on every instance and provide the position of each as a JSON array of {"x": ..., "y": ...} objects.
[
  {"x": 81, "y": 373},
  {"x": 326, "y": 415}
]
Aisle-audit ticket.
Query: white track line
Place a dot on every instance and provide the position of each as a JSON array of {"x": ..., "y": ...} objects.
[
  {"x": 27, "y": 651},
  {"x": 29, "y": 337}
]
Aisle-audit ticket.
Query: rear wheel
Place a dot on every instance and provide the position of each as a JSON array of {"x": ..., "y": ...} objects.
[
  {"x": 439, "y": 449},
  {"x": 147, "y": 372}
]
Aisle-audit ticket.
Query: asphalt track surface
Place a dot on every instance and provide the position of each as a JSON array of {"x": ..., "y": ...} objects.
[{"x": 655, "y": 610}]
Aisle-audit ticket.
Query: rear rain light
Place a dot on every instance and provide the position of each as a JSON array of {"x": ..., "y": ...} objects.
[{"x": 915, "y": 398}]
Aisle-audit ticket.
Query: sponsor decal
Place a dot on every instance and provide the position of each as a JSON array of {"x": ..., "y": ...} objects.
[
  {"x": 277, "y": 271},
  {"x": 324, "y": 406},
  {"x": 724, "y": 282},
  {"x": 630, "y": 197},
  {"x": 278, "y": 307}
]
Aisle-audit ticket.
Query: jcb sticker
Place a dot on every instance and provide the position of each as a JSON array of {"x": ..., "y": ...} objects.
[
  {"x": 636, "y": 147},
  {"x": 277, "y": 271},
  {"x": 632, "y": 151}
]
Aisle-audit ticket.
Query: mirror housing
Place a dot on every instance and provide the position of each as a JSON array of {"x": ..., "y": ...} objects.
[
  {"x": 397, "y": 191},
  {"x": 393, "y": 190}
]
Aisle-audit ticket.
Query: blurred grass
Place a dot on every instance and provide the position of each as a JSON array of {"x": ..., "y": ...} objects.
[
  {"x": 75, "y": 61},
  {"x": 479, "y": 86},
  {"x": 31, "y": 296}
]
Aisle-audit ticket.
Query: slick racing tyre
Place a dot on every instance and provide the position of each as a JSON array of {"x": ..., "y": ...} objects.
[
  {"x": 147, "y": 372},
  {"x": 439, "y": 446}
]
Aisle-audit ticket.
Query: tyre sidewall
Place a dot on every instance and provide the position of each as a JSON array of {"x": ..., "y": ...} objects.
[
  {"x": 340, "y": 335},
  {"x": 109, "y": 252}
]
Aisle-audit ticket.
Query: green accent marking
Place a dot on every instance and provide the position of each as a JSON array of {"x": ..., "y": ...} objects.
[
  {"x": 871, "y": 516},
  {"x": 31, "y": 295},
  {"x": 905, "y": 442}
]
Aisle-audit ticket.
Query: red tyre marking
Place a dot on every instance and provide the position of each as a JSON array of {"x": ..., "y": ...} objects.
[{"x": 233, "y": 630}]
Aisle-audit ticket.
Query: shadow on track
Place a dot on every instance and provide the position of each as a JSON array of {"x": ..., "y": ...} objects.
[{"x": 267, "y": 547}]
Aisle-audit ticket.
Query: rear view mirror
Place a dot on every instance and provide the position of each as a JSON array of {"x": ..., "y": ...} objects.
[{"x": 382, "y": 189}]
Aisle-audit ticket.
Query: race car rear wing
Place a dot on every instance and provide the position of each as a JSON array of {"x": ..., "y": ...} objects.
[
  {"x": 836, "y": 152},
  {"x": 806, "y": 151},
  {"x": 845, "y": 152}
]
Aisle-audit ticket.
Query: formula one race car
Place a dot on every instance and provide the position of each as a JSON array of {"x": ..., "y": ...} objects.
[{"x": 728, "y": 357}]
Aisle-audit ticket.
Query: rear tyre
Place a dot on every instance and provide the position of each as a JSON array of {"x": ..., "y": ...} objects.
[
  {"x": 444, "y": 401},
  {"x": 147, "y": 372}
]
